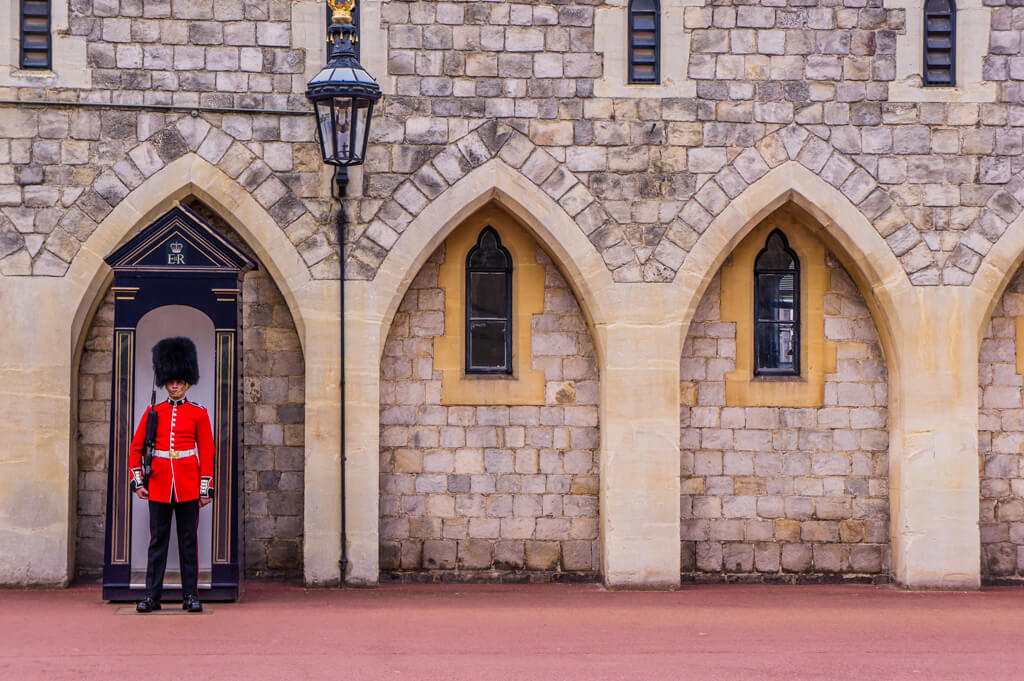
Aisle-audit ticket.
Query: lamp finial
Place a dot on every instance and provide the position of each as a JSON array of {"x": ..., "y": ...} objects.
[{"x": 341, "y": 11}]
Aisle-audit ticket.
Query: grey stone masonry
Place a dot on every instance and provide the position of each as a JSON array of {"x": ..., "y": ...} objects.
[
  {"x": 1001, "y": 441},
  {"x": 804, "y": 82},
  {"x": 272, "y": 399},
  {"x": 644, "y": 177},
  {"x": 489, "y": 492},
  {"x": 189, "y": 52},
  {"x": 67, "y": 169},
  {"x": 786, "y": 494},
  {"x": 93, "y": 442}
]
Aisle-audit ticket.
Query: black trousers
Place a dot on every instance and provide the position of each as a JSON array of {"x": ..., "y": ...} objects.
[{"x": 186, "y": 514}]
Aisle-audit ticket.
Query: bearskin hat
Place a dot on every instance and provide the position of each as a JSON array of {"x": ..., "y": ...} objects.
[{"x": 175, "y": 359}]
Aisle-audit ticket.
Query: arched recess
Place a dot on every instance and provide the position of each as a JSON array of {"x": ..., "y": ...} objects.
[
  {"x": 271, "y": 381},
  {"x": 860, "y": 249},
  {"x": 371, "y": 308},
  {"x": 784, "y": 478},
  {"x": 483, "y": 476},
  {"x": 312, "y": 303}
]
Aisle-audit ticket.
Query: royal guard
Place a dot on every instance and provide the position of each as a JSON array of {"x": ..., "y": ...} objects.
[{"x": 180, "y": 481}]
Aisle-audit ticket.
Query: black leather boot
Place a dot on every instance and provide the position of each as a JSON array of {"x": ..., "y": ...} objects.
[
  {"x": 147, "y": 604},
  {"x": 192, "y": 604}
]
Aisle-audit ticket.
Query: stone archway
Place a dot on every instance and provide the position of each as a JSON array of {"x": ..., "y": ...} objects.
[
  {"x": 372, "y": 305},
  {"x": 272, "y": 388},
  {"x": 785, "y": 480},
  {"x": 495, "y": 481},
  {"x": 60, "y": 309}
]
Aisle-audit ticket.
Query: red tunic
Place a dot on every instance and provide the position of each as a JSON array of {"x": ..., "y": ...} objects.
[{"x": 180, "y": 427}]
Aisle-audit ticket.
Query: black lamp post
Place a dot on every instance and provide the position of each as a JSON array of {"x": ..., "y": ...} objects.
[{"x": 343, "y": 95}]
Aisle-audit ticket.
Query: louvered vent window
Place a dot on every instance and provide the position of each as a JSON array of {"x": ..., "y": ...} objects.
[
  {"x": 34, "y": 48},
  {"x": 489, "y": 306},
  {"x": 939, "y": 43},
  {"x": 777, "y": 309},
  {"x": 644, "y": 41}
]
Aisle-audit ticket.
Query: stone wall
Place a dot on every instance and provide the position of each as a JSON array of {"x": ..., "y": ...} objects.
[
  {"x": 786, "y": 494},
  {"x": 93, "y": 450},
  {"x": 64, "y": 168},
  {"x": 489, "y": 492},
  {"x": 223, "y": 53},
  {"x": 643, "y": 176},
  {"x": 273, "y": 392},
  {"x": 1000, "y": 439},
  {"x": 939, "y": 180},
  {"x": 272, "y": 386}
]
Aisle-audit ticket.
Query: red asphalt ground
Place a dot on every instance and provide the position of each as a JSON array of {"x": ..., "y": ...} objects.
[{"x": 543, "y": 632}]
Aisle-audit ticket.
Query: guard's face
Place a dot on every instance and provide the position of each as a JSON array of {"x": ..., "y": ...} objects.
[{"x": 176, "y": 389}]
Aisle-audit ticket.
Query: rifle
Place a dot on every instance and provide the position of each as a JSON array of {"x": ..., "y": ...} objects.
[{"x": 150, "y": 443}]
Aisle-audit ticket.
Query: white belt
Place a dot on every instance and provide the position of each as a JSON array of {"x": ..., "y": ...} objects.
[{"x": 172, "y": 454}]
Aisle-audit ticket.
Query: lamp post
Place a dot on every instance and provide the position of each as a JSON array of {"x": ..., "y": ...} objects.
[{"x": 343, "y": 95}]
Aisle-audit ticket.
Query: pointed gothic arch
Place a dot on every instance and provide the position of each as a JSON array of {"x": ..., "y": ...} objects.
[
  {"x": 857, "y": 243},
  {"x": 529, "y": 204},
  {"x": 306, "y": 298},
  {"x": 371, "y": 306}
]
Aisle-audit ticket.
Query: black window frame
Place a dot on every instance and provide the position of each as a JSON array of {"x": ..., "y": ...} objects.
[
  {"x": 795, "y": 324},
  {"x": 508, "y": 271},
  {"x": 651, "y": 9},
  {"x": 938, "y": 15},
  {"x": 37, "y": 9}
]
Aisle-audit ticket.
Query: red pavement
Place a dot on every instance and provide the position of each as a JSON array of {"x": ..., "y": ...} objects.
[{"x": 542, "y": 632}]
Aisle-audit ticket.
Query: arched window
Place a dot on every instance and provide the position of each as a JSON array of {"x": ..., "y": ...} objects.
[
  {"x": 488, "y": 306},
  {"x": 34, "y": 48},
  {"x": 777, "y": 309},
  {"x": 644, "y": 41},
  {"x": 940, "y": 43}
]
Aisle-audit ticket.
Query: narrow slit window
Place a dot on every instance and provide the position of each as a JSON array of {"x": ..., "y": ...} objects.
[
  {"x": 777, "y": 309},
  {"x": 940, "y": 43},
  {"x": 488, "y": 306},
  {"x": 34, "y": 48},
  {"x": 644, "y": 41}
]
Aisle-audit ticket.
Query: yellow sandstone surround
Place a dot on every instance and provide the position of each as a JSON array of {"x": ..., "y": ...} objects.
[
  {"x": 817, "y": 355},
  {"x": 525, "y": 386}
]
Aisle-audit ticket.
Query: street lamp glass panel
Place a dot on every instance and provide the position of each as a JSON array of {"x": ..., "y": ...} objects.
[
  {"x": 324, "y": 135},
  {"x": 342, "y": 128}
]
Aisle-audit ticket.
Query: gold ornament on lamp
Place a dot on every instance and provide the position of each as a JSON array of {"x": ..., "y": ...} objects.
[{"x": 341, "y": 11}]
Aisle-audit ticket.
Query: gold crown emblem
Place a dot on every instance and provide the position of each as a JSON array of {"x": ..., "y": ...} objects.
[
  {"x": 341, "y": 10},
  {"x": 177, "y": 247}
]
